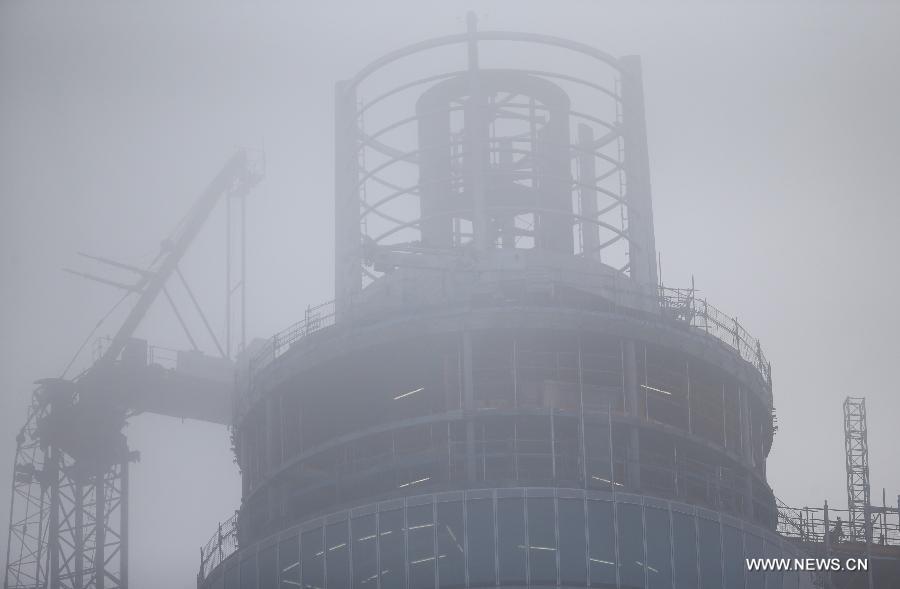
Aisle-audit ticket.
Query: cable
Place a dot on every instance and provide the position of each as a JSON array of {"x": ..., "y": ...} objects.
[{"x": 93, "y": 331}]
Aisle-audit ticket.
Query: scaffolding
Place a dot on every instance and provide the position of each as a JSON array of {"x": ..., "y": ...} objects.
[{"x": 856, "y": 446}]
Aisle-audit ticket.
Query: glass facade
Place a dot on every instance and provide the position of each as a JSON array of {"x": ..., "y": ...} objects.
[
  {"x": 537, "y": 448},
  {"x": 534, "y": 537},
  {"x": 510, "y": 370},
  {"x": 547, "y": 408}
]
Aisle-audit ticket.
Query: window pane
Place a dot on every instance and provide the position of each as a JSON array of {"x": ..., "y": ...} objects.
[
  {"x": 684, "y": 534},
  {"x": 631, "y": 546},
  {"x": 754, "y": 549},
  {"x": 602, "y": 556},
  {"x": 268, "y": 578},
  {"x": 599, "y": 469},
  {"x": 567, "y": 448},
  {"x": 710, "y": 555},
  {"x": 480, "y": 530},
  {"x": 734, "y": 557},
  {"x": 542, "y": 540},
  {"x": 392, "y": 545},
  {"x": 312, "y": 559},
  {"x": 337, "y": 555},
  {"x": 420, "y": 547},
  {"x": 659, "y": 563},
  {"x": 511, "y": 518},
  {"x": 450, "y": 536},
  {"x": 289, "y": 563},
  {"x": 534, "y": 448},
  {"x": 492, "y": 371},
  {"x": 248, "y": 573},
  {"x": 365, "y": 566},
  {"x": 572, "y": 548}
]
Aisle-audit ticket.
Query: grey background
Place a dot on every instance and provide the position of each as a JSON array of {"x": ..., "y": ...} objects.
[{"x": 775, "y": 162}]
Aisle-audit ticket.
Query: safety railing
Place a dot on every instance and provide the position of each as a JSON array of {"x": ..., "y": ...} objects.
[
  {"x": 314, "y": 319},
  {"x": 222, "y": 545},
  {"x": 682, "y": 304},
  {"x": 814, "y": 524},
  {"x": 679, "y": 304},
  {"x": 165, "y": 357}
]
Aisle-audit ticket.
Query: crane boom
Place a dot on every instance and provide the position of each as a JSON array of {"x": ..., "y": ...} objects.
[
  {"x": 234, "y": 178},
  {"x": 69, "y": 507}
]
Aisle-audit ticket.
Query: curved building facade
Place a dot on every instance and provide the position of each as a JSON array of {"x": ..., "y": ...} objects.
[{"x": 501, "y": 393}]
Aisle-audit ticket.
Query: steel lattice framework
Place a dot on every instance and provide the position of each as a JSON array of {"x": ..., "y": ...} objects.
[
  {"x": 69, "y": 514},
  {"x": 69, "y": 509},
  {"x": 856, "y": 446},
  {"x": 28, "y": 514},
  {"x": 467, "y": 168}
]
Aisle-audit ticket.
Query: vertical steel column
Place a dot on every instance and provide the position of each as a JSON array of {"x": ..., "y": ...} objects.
[
  {"x": 641, "y": 244},
  {"x": 123, "y": 532},
  {"x": 468, "y": 403},
  {"x": 476, "y": 139},
  {"x": 53, "y": 532},
  {"x": 78, "y": 549},
  {"x": 584, "y": 457},
  {"x": 587, "y": 177},
  {"x": 347, "y": 243},
  {"x": 632, "y": 466},
  {"x": 100, "y": 529}
]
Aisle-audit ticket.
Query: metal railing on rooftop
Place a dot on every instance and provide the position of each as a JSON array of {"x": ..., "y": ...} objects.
[
  {"x": 314, "y": 319},
  {"x": 679, "y": 304},
  {"x": 222, "y": 545},
  {"x": 814, "y": 524},
  {"x": 684, "y": 306}
]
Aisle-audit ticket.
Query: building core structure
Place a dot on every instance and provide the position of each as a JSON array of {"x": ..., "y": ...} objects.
[{"x": 501, "y": 394}]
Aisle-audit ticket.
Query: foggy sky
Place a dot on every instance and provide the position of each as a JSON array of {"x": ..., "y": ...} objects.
[{"x": 774, "y": 159}]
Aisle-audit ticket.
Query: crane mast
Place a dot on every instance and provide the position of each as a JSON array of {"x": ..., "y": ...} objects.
[{"x": 69, "y": 507}]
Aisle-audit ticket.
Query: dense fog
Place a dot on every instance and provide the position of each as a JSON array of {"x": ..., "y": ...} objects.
[{"x": 774, "y": 161}]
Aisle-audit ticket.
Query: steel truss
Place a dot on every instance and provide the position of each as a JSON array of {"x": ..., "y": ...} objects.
[
  {"x": 69, "y": 514},
  {"x": 69, "y": 509},
  {"x": 856, "y": 447}
]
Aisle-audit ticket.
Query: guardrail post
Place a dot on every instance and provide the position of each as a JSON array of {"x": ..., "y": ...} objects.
[{"x": 737, "y": 336}]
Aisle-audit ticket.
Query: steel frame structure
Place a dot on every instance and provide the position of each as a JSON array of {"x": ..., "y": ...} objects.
[
  {"x": 856, "y": 446},
  {"x": 465, "y": 350},
  {"x": 386, "y": 185},
  {"x": 69, "y": 508}
]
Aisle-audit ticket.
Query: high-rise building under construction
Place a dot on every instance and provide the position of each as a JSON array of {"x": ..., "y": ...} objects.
[{"x": 501, "y": 393}]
